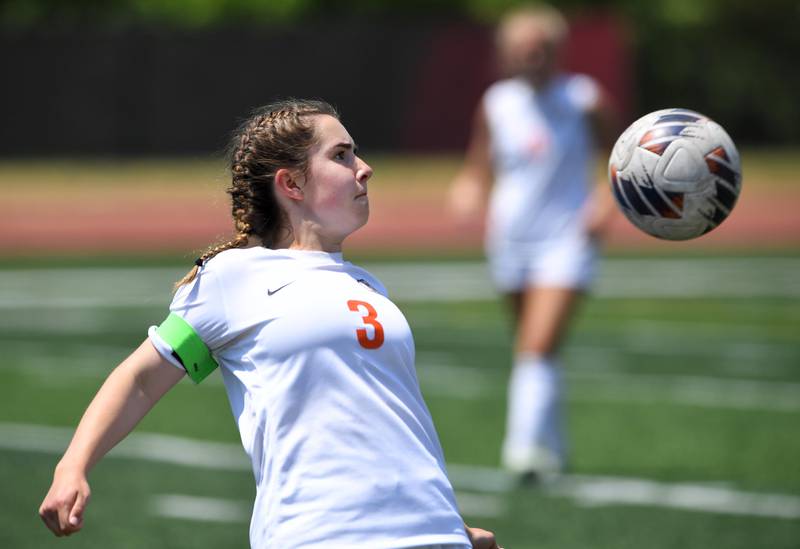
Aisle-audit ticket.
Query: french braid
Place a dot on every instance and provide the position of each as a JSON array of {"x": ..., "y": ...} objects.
[{"x": 278, "y": 135}]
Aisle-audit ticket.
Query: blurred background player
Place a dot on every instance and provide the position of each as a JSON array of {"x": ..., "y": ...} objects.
[
  {"x": 318, "y": 363},
  {"x": 532, "y": 144}
]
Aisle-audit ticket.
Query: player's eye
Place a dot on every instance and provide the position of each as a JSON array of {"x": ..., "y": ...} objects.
[{"x": 341, "y": 155}]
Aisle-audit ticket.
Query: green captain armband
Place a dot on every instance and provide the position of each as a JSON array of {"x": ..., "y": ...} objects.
[{"x": 187, "y": 347}]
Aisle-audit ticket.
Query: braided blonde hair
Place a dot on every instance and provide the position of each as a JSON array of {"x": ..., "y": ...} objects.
[{"x": 278, "y": 135}]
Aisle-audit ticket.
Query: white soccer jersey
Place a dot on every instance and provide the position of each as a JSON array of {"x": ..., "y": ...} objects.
[
  {"x": 542, "y": 154},
  {"x": 319, "y": 368}
]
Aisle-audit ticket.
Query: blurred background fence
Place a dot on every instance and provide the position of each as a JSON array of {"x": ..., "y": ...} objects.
[{"x": 138, "y": 77}]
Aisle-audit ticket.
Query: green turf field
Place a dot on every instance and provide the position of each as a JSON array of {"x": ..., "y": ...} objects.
[{"x": 683, "y": 405}]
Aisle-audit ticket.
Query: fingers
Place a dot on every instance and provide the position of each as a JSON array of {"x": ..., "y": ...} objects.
[
  {"x": 482, "y": 539},
  {"x": 76, "y": 514},
  {"x": 50, "y": 519},
  {"x": 63, "y": 513},
  {"x": 55, "y": 516}
]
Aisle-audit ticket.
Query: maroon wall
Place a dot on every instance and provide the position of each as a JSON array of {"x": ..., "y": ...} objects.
[
  {"x": 460, "y": 65},
  {"x": 407, "y": 85}
]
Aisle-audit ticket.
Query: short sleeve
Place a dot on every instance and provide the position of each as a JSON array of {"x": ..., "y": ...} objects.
[
  {"x": 201, "y": 303},
  {"x": 583, "y": 92},
  {"x": 196, "y": 327}
]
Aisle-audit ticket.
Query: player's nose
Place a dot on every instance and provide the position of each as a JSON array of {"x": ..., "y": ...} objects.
[{"x": 363, "y": 170}]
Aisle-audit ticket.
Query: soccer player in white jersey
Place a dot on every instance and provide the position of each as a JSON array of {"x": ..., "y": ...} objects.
[
  {"x": 532, "y": 146},
  {"x": 318, "y": 363}
]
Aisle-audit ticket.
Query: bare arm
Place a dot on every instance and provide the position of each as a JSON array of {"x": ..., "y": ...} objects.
[
  {"x": 604, "y": 120},
  {"x": 129, "y": 392},
  {"x": 605, "y": 126},
  {"x": 468, "y": 190},
  {"x": 601, "y": 211}
]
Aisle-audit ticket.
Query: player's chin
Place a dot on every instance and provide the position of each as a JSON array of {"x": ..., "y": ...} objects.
[
  {"x": 362, "y": 210},
  {"x": 364, "y": 217},
  {"x": 360, "y": 220}
]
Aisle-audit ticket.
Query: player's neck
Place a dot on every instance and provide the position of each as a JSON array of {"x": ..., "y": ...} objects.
[
  {"x": 540, "y": 81},
  {"x": 305, "y": 238}
]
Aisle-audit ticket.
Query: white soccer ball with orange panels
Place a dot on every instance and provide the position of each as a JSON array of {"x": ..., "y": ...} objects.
[{"x": 675, "y": 174}]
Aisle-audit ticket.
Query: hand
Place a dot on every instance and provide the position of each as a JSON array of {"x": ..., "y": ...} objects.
[
  {"x": 465, "y": 199},
  {"x": 597, "y": 228},
  {"x": 63, "y": 506},
  {"x": 599, "y": 213},
  {"x": 481, "y": 539}
]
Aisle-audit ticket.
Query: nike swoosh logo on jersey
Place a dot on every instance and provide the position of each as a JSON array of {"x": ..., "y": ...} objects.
[{"x": 278, "y": 289}]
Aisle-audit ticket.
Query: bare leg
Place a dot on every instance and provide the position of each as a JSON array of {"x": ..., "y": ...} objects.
[
  {"x": 533, "y": 441},
  {"x": 543, "y": 318},
  {"x": 515, "y": 302}
]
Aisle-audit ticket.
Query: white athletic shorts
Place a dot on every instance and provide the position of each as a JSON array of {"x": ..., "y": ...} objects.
[{"x": 567, "y": 262}]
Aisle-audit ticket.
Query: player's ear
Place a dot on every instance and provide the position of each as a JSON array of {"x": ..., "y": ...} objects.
[{"x": 289, "y": 184}]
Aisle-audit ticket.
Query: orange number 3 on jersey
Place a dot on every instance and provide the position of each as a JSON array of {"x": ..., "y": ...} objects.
[{"x": 371, "y": 319}]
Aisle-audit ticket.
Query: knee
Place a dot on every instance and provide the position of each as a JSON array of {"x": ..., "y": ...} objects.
[{"x": 536, "y": 343}]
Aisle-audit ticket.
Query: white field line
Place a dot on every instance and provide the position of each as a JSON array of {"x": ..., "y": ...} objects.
[
  {"x": 584, "y": 490},
  {"x": 202, "y": 509},
  {"x": 603, "y": 386},
  {"x": 640, "y": 335},
  {"x": 675, "y": 339},
  {"x": 698, "y": 391},
  {"x": 594, "y": 378},
  {"x": 51, "y": 367},
  {"x": 599, "y": 491},
  {"x": 66, "y": 288},
  {"x": 596, "y": 492},
  {"x": 481, "y": 505},
  {"x": 143, "y": 446},
  {"x": 205, "y": 509}
]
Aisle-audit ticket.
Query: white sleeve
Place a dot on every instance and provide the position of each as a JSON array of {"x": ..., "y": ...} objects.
[
  {"x": 583, "y": 92},
  {"x": 163, "y": 347},
  {"x": 201, "y": 303}
]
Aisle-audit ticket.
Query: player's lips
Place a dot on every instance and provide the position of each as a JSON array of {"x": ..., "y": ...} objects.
[{"x": 361, "y": 195}]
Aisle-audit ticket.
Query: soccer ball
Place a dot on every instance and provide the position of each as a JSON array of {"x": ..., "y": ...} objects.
[{"x": 675, "y": 174}]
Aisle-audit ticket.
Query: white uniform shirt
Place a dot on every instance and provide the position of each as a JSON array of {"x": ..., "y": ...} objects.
[
  {"x": 319, "y": 368},
  {"x": 542, "y": 154}
]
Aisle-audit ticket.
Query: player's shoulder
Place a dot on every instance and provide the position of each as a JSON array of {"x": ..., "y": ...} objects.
[
  {"x": 507, "y": 99},
  {"x": 237, "y": 259},
  {"x": 577, "y": 78},
  {"x": 506, "y": 88},
  {"x": 236, "y": 268},
  {"x": 582, "y": 90},
  {"x": 365, "y": 277},
  {"x": 228, "y": 258}
]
